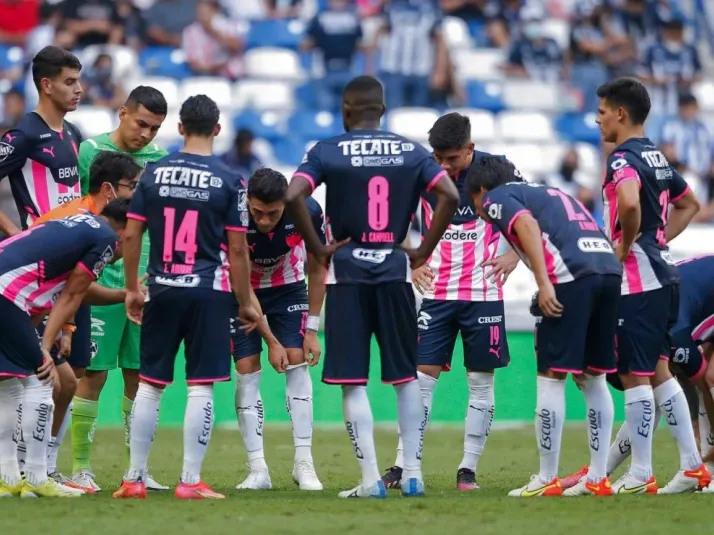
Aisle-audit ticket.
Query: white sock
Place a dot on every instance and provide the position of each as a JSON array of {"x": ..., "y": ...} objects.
[
  {"x": 550, "y": 416},
  {"x": 360, "y": 428},
  {"x": 144, "y": 420},
  {"x": 412, "y": 416},
  {"x": 11, "y": 393},
  {"x": 601, "y": 413},
  {"x": 479, "y": 417},
  {"x": 19, "y": 440},
  {"x": 298, "y": 394},
  {"x": 427, "y": 384},
  {"x": 640, "y": 416},
  {"x": 56, "y": 442},
  {"x": 621, "y": 448},
  {"x": 37, "y": 409},
  {"x": 706, "y": 437},
  {"x": 673, "y": 402},
  {"x": 197, "y": 427},
  {"x": 249, "y": 409}
]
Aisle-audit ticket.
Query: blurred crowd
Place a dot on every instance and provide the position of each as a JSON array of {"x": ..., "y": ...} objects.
[{"x": 664, "y": 42}]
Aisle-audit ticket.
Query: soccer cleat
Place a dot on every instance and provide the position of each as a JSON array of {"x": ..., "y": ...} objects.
[
  {"x": 49, "y": 489},
  {"x": 376, "y": 490},
  {"x": 629, "y": 484},
  {"x": 199, "y": 491},
  {"x": 65, "y": 481},
  {"x": 574, "y": 479},
  {"x": 708, "y": 489},
  {"x": 412, "y": 487},
  {"x": 305, "y": 476},
  {"x": 84, "y": 479},
  {"x": 687, "y": 481},
  {"x": 256, "y": 480},
  {"x": 152, "y": 484},
  {"x": 131, "y": 489},
  {"x": 466, "y": 480},
  {"x": 8, "y": 491},
  {"x": 588, "y": 488},
  {"x": 537, "y": 487},
  {"x": 392, "y": 478}
]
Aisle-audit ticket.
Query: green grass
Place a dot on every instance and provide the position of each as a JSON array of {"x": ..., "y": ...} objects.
[{"x": 509, "y": 460}]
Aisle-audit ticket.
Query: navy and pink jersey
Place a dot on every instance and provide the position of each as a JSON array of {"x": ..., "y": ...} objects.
[
  {"x": 373, "y": 183},
  {"x": 573, "y": 244},
  {"x": 467, "y": 243},
  {"x": 188, "y": 202},
  {"x": 41, "y": 165},
  {"x": 35, "y": 264},
  {"x": 278, "y": 257},
  {"x": 696, "y": 297},
  {"x": 649, "y": 265}
]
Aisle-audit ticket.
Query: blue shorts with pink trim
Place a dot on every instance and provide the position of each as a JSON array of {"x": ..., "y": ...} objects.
[
  {"x": 198, "y": 317},
  {"x": 686, "y": 354},
  {"x": 20, "y": 353},
  {"x": 355, "y": 312},
  {"x": 583, "y": 338}
]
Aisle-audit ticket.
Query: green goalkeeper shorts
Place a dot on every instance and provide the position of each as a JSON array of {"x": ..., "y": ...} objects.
[{"x": 115, "y": 340}]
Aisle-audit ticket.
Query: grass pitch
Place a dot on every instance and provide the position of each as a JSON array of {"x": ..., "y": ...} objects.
[{"x": 509, "y": 460}]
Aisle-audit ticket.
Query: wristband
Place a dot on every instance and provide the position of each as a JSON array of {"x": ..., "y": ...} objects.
[
  {"x": 313, "y": 323},
  {"x": 71, "y": 327}
]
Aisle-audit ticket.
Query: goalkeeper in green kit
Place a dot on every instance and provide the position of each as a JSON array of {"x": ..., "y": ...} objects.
[{"x": 115, "y": 340}]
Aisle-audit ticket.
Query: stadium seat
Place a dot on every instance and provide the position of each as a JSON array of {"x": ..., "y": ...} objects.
[
  {"x": 413, "y": 123},
  {"x": 267, "y": 124},
  {"x": 218, "y": 89},
  {"x": 524, "y": 126},
  {"x": 168, "y": 87},
  {"x": 534, "y": 161},
  {"x": 164, "y": 61},
  {"x": 273, "y": 64},
  {"x": 485, "y": 96},
  {"x": 168, "y": 133},
  {"x": 479, "y": 35},
  {"x": 263, "y": 149},
  {"x": 278, "y": 33},
  {"x": 126, "y": 61},
  {"x": 10, "y": 56},
  {"x": 531, "y": 95},
  {"x": 483, "y": 126},
  {"x": 704, "y": 91},
  {"x": 589, "y": 158},
  {"x": 456, "y": 33},
  {"x": 483, "y": 64},
  {"x": 315, "y": 124},
  {"x": 263, "y": 95},
  {"x": 289, "y": 151},
  {"x": 559, "y": 30},
  {"x": 576, "y": 127},
  {"x": 92, "y": 120}
]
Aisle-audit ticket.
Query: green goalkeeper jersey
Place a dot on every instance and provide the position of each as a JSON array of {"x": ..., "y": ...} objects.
[{"x": 113, "y": 275}]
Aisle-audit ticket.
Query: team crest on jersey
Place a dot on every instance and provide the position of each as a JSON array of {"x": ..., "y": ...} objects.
[
  {"x": 5, "y": 150},
  {"x": 293, "y": 240},
  {"x": 494, "y": 211}
]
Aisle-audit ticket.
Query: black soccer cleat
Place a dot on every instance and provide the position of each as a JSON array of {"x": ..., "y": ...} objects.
[
  {"x": 392, "y": 478},
  {"x": 466, "y": 480}
]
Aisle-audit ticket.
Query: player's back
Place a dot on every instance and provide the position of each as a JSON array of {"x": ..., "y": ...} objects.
[
  {"x": 187, "y": 202},
  {"x": 696, "y": 290}
]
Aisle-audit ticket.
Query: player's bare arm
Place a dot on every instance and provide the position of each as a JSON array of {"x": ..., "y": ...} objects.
[
  {"x": 529, "y": 234},
  {"x": 7, "y": 226},
  {"x": 629, "y": 213},
  {"x": 315, "y": 297},
  {"x": 132, "y": 252},
  {"x": 683, "y": 211},
  {"x": 98, "y": 295},
  {"x": 239, "y": 260}
]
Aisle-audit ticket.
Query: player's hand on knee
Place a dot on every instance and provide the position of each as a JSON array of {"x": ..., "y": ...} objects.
[
  {"x": 548, "y": 302},
  {"x": 423, "y": 278},
  {"x": 135, "y": 306},
  {"x": 249, "y": 317},
  {"x": 278, "y": 357},
  {"x": 501, "y": 267},
  {"x": 47, "y": 372},
  {"x": 311, "y": 348}
]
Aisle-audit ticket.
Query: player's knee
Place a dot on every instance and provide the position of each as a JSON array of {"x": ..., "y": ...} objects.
[
  {"x": 248, "y": 365},
  {"x": 295, "y": 356},
  {"x": 662, "y": 373},
  {"x": 36, "y": 392},
  {"x": 149, "y": 390},
  {"x": 200, "y": 391},
  {"x": 432, "y": 371},
  {"x": 94, "y": 381},
  {"x": 560, "y": 376}
]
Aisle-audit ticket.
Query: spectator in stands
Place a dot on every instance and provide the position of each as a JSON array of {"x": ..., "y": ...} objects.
[
  {"x": 13, "y": 107},
  {"x": 687, "y": 140},
  {"x": 535, "y": 55},
  {"x": 133, "y": 22},
  {"x": 634, "y": 20},
  {"x": 241, "y": 157},
  {"x": 414, "y": 56},
  {"x": 469, "y": 10},
  {"x": 283, "y": 9},
  {"x": 572, "y": 181},
  {"x": 17, "y": 19},
  {"x": 214, "y": 44},
  {"x": 90, "y": 22},
  {"x": 45, "y": 33},
  {"x": 336, "y": 34},
  {"x": 506, "y": 16},
  {"x": 100, "y": 89},
  {"x": 671, "y": 66},
  {"x": 167, "y": 19},
  {"x": 369, "y": 8}
]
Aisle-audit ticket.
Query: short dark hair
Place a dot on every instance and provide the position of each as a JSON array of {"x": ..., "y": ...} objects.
[
  {"x": 629, "y": 94},
  {"x": 116, "y": 210},
  {"x": 685, "y": 99},
  {"x": 450, "y": 131},
  {"x": 489, "y": 173},
  {"x": 364, "y": 94},
  {"x": 110, "y": 166},
  {"x": 199, "y": 116},
  {"x": 49, "y": 62},
  {"x": 149, "y": 97},
  {"x": 267, "y": 185}
]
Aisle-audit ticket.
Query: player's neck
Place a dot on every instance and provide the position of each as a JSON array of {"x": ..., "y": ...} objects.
[
  {"x": 50, "y": 114},
  {"x": 365, "y": 125},
  {"x": 115, "y": 136},
  {"x": 198, "y": 146},
  {"x": 99, "y": 202},
  {"x": 630, "y": 133}
]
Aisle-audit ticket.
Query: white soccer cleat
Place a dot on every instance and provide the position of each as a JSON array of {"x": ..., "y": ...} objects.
[
  {"x": 256, "y": 480},
  {"x": 49, "y": 489},
  {"x": 305, "y": 476},
  {"x": 686, "y": 481},
  {"x": 376, "y": 490},
  {"x": 629, "y": 484},
  {"x": 84, "y": 479},
  {"x": 152, "y": 484},
  {"x": 537, "y": 487},
  {"x": 585, "y": 487},
  {"x": 708, "y": 489}
]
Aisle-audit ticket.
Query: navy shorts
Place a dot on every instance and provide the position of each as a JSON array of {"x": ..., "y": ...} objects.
[
  {"x": 199, "y": 317},
  {"x": 286, "y": 309},
  {"x": 81, "y": 352},
  {"x": 686, "y": 355},
  {"x": 644, "y": 320},
  {"x": 483, "y": 333},
  {"x": 20, "y": 353},
  {"x": 353, "y": 313},
  {"x": 583, "y": 338}
]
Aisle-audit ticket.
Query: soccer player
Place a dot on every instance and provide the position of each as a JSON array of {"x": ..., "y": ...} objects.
[
  {"x": 49, "y": 266},
  {"x": 460, "y": 297},
  {"x": 374, "y": 180},
  {"x": 639, "y": 187},
  {"x": 278, "y": 257},
  {"x": 190, "y": 202},
  {"x": 578, "y": 279},
  {"x": 114, "y": 176},
  {"x": 115, "y": 340}
]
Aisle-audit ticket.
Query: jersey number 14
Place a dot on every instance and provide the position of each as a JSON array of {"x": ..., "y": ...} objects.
[{"x": 184, "y": 239}]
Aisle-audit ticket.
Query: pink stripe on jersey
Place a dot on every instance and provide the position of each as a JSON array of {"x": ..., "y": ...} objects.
[
  {"x": 468, "y": 263},
  {"x": 138, "y": 217},
  {"x": 19, "y": 283},
  {"x": 39, "y": 181},
  {"x": 704, "y": 330},
  {"x": 426, "y": 213},
  {"x": 308, "y": 178},
  {"x": 42, "y": 298},
  {"x": 236, "y": 229},
  {"x": 549, "y": 258},
  {"x": 632, "y": 274},
  {"x": 434, "y": 180},
  {"x": 687, "y": 260},
  {"x": 288, "y": 270},
  {"x": 518, "y": 214},
  {"x": 675, "y": 199},
  {"x": 89, "y": 271},
  {"x": 441, "y": 284},
  {"x": 610, "y": 215},
  {"x": 624, "y": 174}
]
